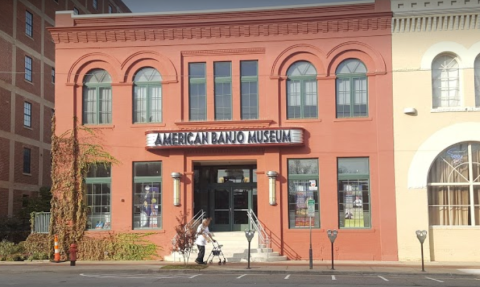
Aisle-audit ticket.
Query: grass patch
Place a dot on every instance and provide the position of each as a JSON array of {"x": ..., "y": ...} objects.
[{"x": 182, "y": 266}]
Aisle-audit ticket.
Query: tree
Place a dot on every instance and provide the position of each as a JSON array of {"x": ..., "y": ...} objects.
[{"x": 184, "y": 241}]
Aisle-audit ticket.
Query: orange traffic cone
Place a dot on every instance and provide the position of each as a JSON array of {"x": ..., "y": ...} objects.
[{"x": 57, "y": 252}]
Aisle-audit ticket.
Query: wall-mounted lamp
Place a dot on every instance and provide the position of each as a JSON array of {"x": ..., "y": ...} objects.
[
  {"x": 272, "y": 176},
  {"x": 176, "y": 188},
  {"x": 410, "y": 111}
]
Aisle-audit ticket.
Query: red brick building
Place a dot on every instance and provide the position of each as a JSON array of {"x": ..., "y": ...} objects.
[
  {"x": 27, "y": 83},
  {"x": 231, "y": 111}
]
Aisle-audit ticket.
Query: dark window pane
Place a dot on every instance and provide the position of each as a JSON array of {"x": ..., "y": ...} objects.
[
  {"x": 222, "y": 69},
  {"x": 148, "y": 169},
  {"x": 197, "y": 70},
  {"x": 248, "y": 68}
]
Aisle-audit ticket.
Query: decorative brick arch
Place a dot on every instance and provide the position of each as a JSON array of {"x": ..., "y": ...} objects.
[
  {"x": 149, "y": 59},
  {"x": 299, "y": 52},
  {"x": 93, "y": 61},
  {"x": 371, "y": 58}
]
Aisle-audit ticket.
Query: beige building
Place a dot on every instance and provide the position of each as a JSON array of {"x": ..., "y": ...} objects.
[{"x": 436, "y": 90}]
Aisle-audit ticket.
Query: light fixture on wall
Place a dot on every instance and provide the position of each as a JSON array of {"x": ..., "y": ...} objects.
[
  {"x": 410, "y": 111},
  {"x": 272, "y": 176},
  {"x": 176, "y": 188}
]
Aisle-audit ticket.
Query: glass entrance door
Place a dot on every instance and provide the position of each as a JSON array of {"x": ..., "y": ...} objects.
[{"x": 230, "y": 208}]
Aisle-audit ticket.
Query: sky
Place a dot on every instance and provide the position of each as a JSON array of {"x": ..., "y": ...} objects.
[{"x": 152, "y": 6}]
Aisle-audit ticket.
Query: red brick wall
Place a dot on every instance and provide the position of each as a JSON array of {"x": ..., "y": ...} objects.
[
  {"x": 46, "y": 180},
  {"x": 4, "y": 159},
  {"x": 32, "y": 42},
  {"x": 48, "y": 45},
  {"x": 6, "y": 14},
  {"x": 34, "y": 86},
  {"x": 19, "y": 176},
  {"x": 51, "y": 6},
  {"x": 47, "y": 127},
  {"x": 3, "y": 202},
  {"x": 6, "y": 62},
  {"x": 34, "y": 131},
  {"x": 5, "y": 109}
]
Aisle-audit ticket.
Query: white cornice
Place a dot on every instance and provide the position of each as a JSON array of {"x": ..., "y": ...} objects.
[
  {"x": 438, "y": 22},
  {"x": 430, "y": 7}
]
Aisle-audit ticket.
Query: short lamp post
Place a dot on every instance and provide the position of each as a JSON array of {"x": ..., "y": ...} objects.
[
  {"x": 176, "y": 188},
  {"x": 249, "y": 234},
  {"x": 421, "y": 235},
  {"x": 332, "y": 235},
  {"x": 272, "y": 177}
]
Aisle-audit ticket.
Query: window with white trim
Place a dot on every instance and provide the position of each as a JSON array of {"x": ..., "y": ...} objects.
[
  {"x": 97, "y": 97},
  {"x": 249, "y": 89},
  {"x": 477, "y": 81},
  {"x": 29, "y": 24},
  {"x": 454, "y": 186},
  {"x": 147, "y": 96},
  {"x": 223, "y": 90},
  {"x": 95, "y": 4},
  {"x": 445, "y": 81},
  {"x": 28, "y": 68},
  {"x": 197, "y": 91},
  {"x": 27, "y": 114},
  {"x": 302, "y": 97},
  {"x": 27, "y": 154},
  {"x": 351, "y": 89}
]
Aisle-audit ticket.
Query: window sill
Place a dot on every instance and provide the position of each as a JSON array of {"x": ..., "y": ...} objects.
[
  {"x": 93, "y": 126},
  {"x": 147, "y": 125},
  {"x": 29, "y": 82},
  {"x": 339, "y": 120},
  {"x": 357, "y": 230},
  {"x": 306, "y": 120},
  {"x": 455, "y": 109},
  {"x": 28, "y": 128},
  {"x": 455, "y": 227},
  {"x": 219, "y": 124},
  {"x": 27, "y": 174}
]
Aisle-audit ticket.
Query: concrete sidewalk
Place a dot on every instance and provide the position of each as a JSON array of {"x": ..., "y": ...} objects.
[{"x": 285, "y": 267}]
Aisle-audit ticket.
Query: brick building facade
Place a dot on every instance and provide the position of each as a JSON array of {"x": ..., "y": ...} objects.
[{"x": 27, "y": 82}]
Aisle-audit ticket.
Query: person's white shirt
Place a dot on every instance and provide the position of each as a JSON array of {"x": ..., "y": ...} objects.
[{"x": 201, "y": 233}]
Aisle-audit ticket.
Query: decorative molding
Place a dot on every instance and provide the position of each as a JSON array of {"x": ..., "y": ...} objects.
[
  {"x": 430, "y": 7},
  {"x": 240, "y": 51},
  {"x": 377, "y": 21},
  {"x": 221, "y": 125},
  {"x": 432, "y": 23}
]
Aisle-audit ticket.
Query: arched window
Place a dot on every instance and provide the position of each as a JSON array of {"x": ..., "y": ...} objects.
[
  {"x": 454, "y": 186},
  {"x": 302, "y": 91},
  {"x": 445, "y": 82},
  {"x": 477, "y": 82},
  {"x": 351, "y": 89},
  {"x": 97, "y": 97},
  {"x": 147, "y": 96}
]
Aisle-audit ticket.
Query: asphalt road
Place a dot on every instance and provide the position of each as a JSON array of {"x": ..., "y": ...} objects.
[{"x": 117, "y": 279}]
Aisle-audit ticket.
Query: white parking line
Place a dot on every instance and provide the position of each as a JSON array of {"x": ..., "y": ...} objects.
[
  {"x": 241, "y": 276},
  {"x": 288, "y": 276},
  {"x": 333, "y": 277},
  {"x": 383, "y": 278},
  {"x": 434, "y": 279},
  {"x": 195, "y": 276}
]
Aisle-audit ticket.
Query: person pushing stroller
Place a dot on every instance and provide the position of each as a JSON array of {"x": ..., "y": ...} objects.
[{"x": 203, "y": 236}]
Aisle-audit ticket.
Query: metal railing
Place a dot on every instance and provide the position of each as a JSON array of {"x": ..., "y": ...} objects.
[
  {"x": 195, "y": 221},
  {"x": 41, "y": 222},
  {"x": 263, "y": 239}
]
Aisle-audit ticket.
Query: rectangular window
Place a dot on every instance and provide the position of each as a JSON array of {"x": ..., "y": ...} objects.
[
  {"x": 95, "y": 4},
  {"x": 75, "y": 11},
  {"x": 28, "y": 68},
  {"x": 27, "y": 114},
  {"x": 110, "y": 10},
  {"x": 147, "y": 195},
  {"x": 249, "y": 89},
  {"x": 197, "y": 91},
  {"x": 27, "y": 153},
  {"x": 98, "y": 182},
  {"x": 53, "y": 75},
  {"x": 303, "y": 185},
  {"x": 223, "y": 90},
  {"x": 29, "y": 24},
  {"x": 354, "y": 193}
]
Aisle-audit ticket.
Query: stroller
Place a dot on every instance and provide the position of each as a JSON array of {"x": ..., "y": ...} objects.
[{"x": 216, "y": 251}]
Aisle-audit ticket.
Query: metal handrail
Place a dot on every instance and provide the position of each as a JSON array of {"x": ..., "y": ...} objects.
[
  {"x": 196, "y": 219},
  {"x": 263, "y": 239}
]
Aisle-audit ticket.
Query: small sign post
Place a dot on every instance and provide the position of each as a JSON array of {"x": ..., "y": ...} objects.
[
  {"x": 421, "y": 235},
  {"x": 311, "y": 213},
  {"x": 332, "y": 235}
]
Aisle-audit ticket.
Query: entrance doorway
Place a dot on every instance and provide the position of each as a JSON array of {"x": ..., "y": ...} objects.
[{"x": 226, "y": 193}]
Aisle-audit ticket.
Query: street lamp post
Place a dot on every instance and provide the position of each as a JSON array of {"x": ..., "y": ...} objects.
[
  {"x": 249, "y": 234},
  {"x": 332, "y": 235},
  {"x": 421, "y": 235}
]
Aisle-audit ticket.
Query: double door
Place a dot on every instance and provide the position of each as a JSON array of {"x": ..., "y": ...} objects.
[{"x": 230, "y": 204}]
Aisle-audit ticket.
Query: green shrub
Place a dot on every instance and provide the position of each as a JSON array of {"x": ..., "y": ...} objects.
[{"x": 10, "y": 251}]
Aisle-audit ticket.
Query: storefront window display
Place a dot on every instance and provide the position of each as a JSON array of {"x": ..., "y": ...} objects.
[
  {"x": 354, "y": 193},
  {"x": 147, "y": 195},
  {"x": 302, "y": 185}
]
